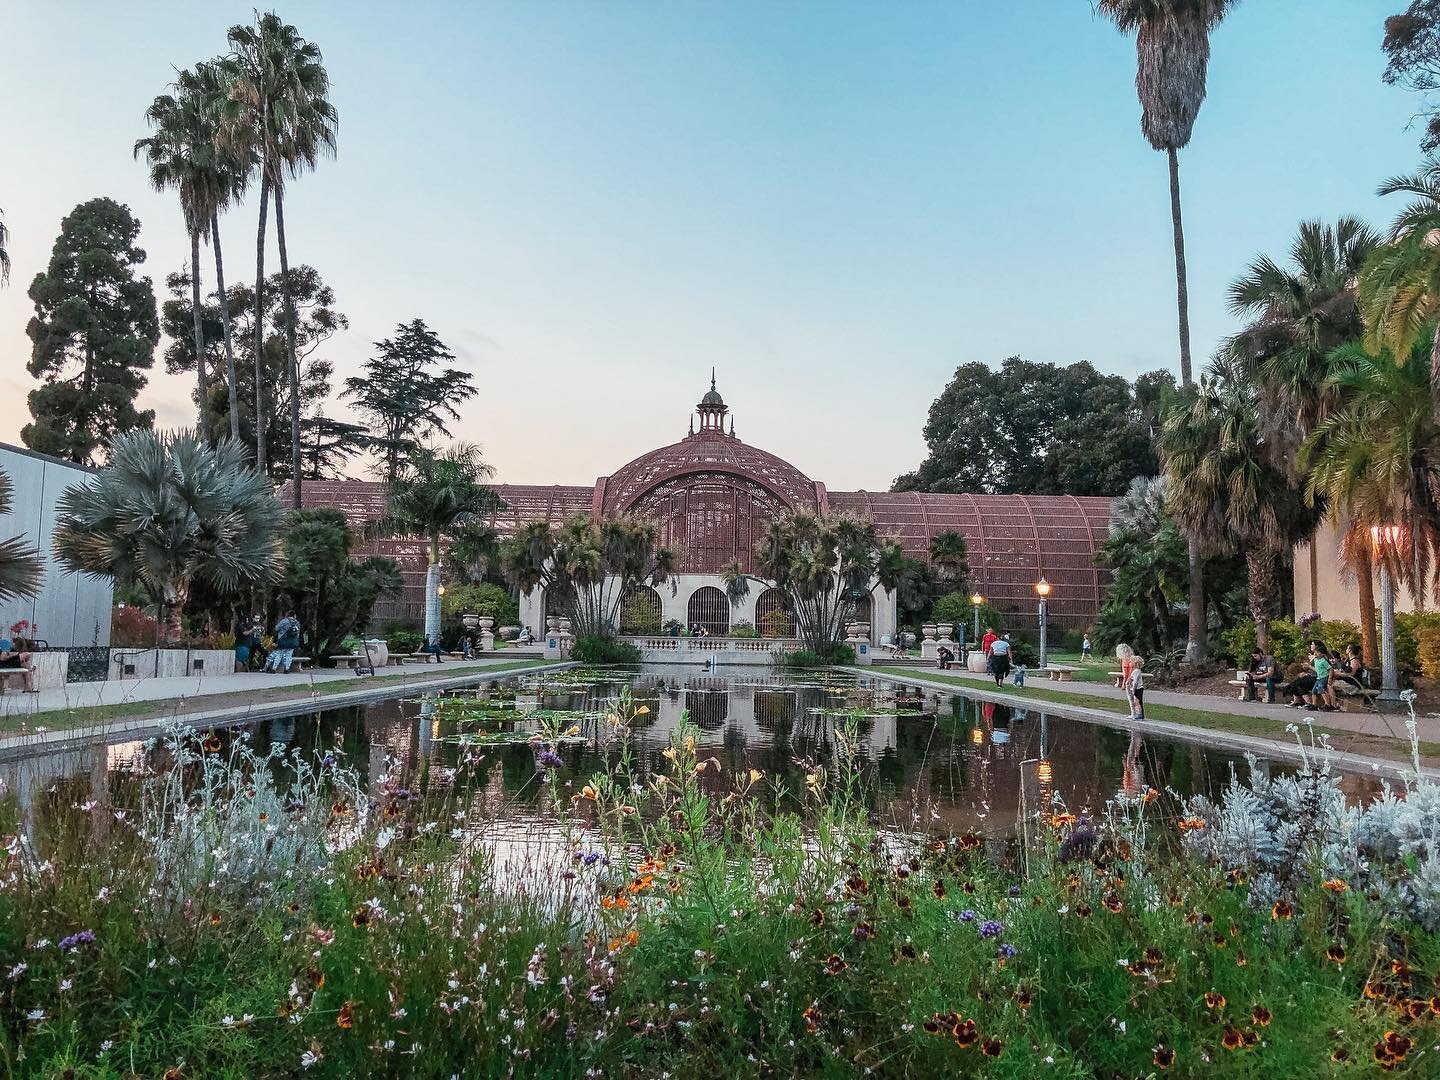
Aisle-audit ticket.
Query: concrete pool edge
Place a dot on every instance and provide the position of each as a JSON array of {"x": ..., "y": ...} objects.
[
  {"x": 14, "y": 747},
  {"x": 1233, "y": 742}
]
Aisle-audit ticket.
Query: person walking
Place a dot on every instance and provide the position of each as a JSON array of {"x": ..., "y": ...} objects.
[
  {"x": 287, "y": 640},
  {"x": 999, "y": 663},
  {"x": 1085, "y": 648},
  {"x": 988, "y": 641}
]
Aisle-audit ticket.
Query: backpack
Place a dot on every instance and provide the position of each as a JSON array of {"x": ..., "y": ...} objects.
[{"x": 287, "y": 634}]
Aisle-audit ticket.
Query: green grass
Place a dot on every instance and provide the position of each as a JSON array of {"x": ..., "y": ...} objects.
[
  {"x": 96, "y": 715},
  {"x": 1206, "y": 719}
]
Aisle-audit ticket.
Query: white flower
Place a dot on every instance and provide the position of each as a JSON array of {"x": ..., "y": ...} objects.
[
  {"x": 103, "y": 894},
  {"x": 36, "y": 1015},
  {"x": 308, "y": 1058},
  {"x": 227, "y": 1021},
  {"x": 106, "y": 1045},
  {"x": 66, "y": 984}
]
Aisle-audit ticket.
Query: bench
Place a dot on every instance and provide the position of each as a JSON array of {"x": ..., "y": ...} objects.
[
  {"x": 1247, "y": 687},
  {"x": 350, "y": 660},
  {"x": 6, "y": 674},
  {"x": 1117, "y": 677},
  {"x": 1061, "y": 672},
  {"x": 423, "y": 658}
]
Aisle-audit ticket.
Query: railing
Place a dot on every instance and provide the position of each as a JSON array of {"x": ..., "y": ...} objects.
[{"x": 698, "y": 650}]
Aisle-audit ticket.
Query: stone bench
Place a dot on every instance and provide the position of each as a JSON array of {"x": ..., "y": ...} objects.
[
  {"x": 350, "y": 660},
  {"x": 422, "y": 658},
  {"x": 7, "y": 674},
  {"x": 1061, "y": 672}
]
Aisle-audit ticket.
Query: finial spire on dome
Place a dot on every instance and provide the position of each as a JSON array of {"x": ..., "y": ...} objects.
[{"x": 712, "y": 408}]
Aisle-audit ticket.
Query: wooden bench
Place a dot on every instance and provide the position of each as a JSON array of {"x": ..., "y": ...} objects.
[{"x": 1061, "y": 672}]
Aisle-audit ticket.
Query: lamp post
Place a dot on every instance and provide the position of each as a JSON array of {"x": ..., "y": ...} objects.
[
  {"x": 1386, "y": 540},
  {"x": 1042, "y": 590},
  {"x": 975, "y": 601}
]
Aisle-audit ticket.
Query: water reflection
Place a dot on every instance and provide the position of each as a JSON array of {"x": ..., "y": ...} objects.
[{"x": 931, "y": 761}]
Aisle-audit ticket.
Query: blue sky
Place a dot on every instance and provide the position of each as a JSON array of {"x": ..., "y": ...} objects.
[{"x": 835, "y": 204}]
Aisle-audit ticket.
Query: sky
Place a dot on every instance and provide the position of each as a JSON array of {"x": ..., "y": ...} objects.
[{"x": 834, "y": 204}]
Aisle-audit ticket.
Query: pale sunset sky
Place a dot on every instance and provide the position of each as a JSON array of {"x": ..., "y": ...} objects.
[{"x": 832, "y": 203}]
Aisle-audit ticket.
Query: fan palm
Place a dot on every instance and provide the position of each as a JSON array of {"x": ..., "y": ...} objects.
[
  {"x": 181, "y": 154},
  {"x": 436, "y": 494},
  {"x": 1223, "y": 491},
  {"x": 1376, "y": 459},
  {"x": 1400, "y": 286},
  {"x": 279, "y": 111},
  {"x": 948, "y": 555},
  {"x": 170, "y": 511},
  {"x": 20, "y": 566}
]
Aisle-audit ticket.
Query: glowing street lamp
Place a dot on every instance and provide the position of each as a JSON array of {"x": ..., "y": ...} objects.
[
  {"x": 1387, "y": 540},
  {"x": 1042, "y": 590},
  {"x": 975, "y": 601}
]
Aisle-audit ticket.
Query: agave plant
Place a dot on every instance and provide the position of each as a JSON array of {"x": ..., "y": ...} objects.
[
  {"x": 20, "y": 566},
  {"x": 168, "y": 511}
]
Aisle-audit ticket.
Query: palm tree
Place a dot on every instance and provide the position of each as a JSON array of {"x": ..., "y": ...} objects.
[
  {"x": 181, "y": 155},
  {"x": 279, "y": 110},
  {"x": 1172, "y": 49},
  {"x": 948, "y": 555},
  {"x": 1400, "y": 286},
  {"x": 1376, "y": 458},
  {"x": 168, "y": 512},
  {"x": 4, "y": 253},
  {"x": 1223, "y": 491},
  {"x": 20, "y": 566},
  {"x": 436, "y": 494}
]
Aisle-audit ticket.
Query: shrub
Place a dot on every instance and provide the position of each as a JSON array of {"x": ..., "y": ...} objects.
[
  {"x": 131, "y": 628},
  {"x": 1287, "y": 644},
  {"x": 483, "y": 599},
  {"x": 744, "y": 630},
  {"x": 403, "y": 638},
  {"x": 808, "y": 658},
  {"x": 1022, "y": 652},
  {"x": 596, "y": 649}
]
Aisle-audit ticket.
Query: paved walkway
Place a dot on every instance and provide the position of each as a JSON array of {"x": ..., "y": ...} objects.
[{"x": 123, "y": 691}]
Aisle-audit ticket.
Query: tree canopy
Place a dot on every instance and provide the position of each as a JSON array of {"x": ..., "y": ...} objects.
[
  {"x": 333, "y": 594},
  {"x": 93, "y": 334},
  {"x": 1412, "y": 54},
  {"x": 1039, "y": 429}
]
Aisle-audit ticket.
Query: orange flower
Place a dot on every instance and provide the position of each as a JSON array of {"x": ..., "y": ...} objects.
[
  {"x": 1416, "y": 1008},
  {"x": 1374, "y": 991},
  {"x": 1082, "y": 911},
  {"x": 361, "y": 919},
  {"x": 1250, "y": 1036},
  {"x": 1435, "y": 1004},
  {"x": 1339, "y": 1054},
  {"x": 1282, "y": 910},
  {"x": 1114, "y": 903},
  {"x": 812, "y": 1019},
  {"x": 1164, "y": 1057},
  {"x": 1232, "y": 1039},
  {"x": 1335, "y": 885},
  {"x": 1260, "y": 1016},
  {"x": 938, "y": 888},
  {"x": 292, "y": 907},
  {"x": 1214, "y": 1000},
  {"x": 1154, "y": 956},
  {"x": 966, "y": 1033},
  {"x": 991, "y": 1048},
  {"x": 345, "y": 1018},
  {"x": 817, "y": 917},
  {"x": 212, "y": 743},
  {"x": 835, "y": 964},
  {"x": 1186, "y": 824},
  {"x": 1023, "y": 999},
  {"x": 1059, "y": 821},
  {"x": 1398, "y": 1045},
  {"x": 1240, "y": 960},
  {"x": 1335, "y": 954},
  {"x": 216, "y": 918},
  {"x": 970, "y": 840}
]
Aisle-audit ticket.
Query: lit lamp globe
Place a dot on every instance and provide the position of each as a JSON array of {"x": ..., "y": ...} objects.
[
  {"x": 1042, "y": 588},
  {"x": 976, "y": 599}
]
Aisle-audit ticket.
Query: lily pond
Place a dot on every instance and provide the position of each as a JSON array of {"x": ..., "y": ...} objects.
[{"x": 934, "y": 762}]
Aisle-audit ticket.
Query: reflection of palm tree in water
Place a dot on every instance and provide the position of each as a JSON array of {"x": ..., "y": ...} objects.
[{"x": 1132, "y": 774}]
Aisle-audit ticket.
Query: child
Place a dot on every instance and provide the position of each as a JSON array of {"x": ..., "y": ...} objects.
[
  {"x": 1019, "y": 677},
  {"x": 1132, "y": 678}
]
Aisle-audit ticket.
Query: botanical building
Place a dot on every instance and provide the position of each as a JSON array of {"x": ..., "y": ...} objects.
[{"x": 713, "y": 496}]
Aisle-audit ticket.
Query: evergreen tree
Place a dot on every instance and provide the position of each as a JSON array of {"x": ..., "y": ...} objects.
[
  {"x": 406, "y": 394},
  {"x": 94, "y": 333}
]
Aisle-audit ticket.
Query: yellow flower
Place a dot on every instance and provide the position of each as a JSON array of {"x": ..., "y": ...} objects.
[
  {"x": 574, "y": 729},
  {"x": 642, "y": 710},
  {"x": 756, "y": 776},
  {"x": 668, "y": 753}
]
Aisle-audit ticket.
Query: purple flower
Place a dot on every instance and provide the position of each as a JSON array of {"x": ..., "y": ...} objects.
[
  {"x": 74, "y": 941},
  {"x": 328, "y": 760},
  {"x": 967, "y": 915},
  {"x": 591, "y": 858},
  {"x": 1014, "y": 890},
  {"x": 1006, "y": 951},
  {"x": 990, "y": 928},
  {"x": 549, "y": 759}
]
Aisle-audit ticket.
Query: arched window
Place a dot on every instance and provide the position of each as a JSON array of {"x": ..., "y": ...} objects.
[
  {"x": 772, "y": 615},
  {"x": 709, "y": 608},
  {"x": 640, "y": 611}
]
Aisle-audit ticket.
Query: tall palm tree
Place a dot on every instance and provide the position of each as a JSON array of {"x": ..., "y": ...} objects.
[
  {"x": 279, "y": 109},
  {"x": 181, "y": 155},
  {"x": 1223, "y": 491},
  {"x": 434, "y": 495},
  {"x": 169, "y": 511},
  {"x": 1400, "y": 286},
  {"x": 234, "y": 162},
  {"x": 1172, "y": 49},
  {"x": 4, "y": 253}
]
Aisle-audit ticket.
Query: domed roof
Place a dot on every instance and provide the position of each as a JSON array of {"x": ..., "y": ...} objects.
[
  {"x": 709, "y": 452},
  {"x": 712, "y": 398}
]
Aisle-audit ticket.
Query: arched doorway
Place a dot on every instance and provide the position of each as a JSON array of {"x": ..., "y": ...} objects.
[
  {"x": 709, "y": 608},
  {"x": 772, "y": 615},
  {"x": 640, "y": 611}
]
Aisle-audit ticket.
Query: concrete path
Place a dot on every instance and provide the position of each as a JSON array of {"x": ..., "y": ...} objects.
[
  {"x": 1367, "y": 722},
  {"x": 82, "y": 695}
]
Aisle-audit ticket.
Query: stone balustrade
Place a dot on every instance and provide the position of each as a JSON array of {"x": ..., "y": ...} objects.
[{"x": 662, "y": 649}]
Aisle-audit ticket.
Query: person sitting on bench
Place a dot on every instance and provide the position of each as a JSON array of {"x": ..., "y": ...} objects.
[
  {"x": 944, "y": 658},
  {"x": 1262, "y": 669},
  {"x": 13, "y": 660}
]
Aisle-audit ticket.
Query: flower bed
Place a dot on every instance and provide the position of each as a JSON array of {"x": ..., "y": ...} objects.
[{"x": 237, "y": 925}]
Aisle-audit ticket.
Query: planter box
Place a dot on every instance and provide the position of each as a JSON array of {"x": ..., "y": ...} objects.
[{"x": 171, "y": 663}]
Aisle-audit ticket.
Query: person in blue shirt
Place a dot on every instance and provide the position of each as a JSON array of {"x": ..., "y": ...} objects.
[
  {"x": 11, "y": 659},
  {"x": 287, "y": 640}
]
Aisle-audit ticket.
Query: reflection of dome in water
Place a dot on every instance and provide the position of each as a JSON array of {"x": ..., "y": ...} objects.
[
  {"x": 774, "y": 708},
  {"x": 708, "y": 709}
]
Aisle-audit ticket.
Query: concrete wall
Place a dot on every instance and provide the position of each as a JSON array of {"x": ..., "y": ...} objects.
[
  {"x": 70, "y": 609},
  {"x": 1323, "y": 585}
]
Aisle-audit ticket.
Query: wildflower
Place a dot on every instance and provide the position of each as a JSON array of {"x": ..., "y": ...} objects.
[
  {"x": 292, "y": 907},
  {"x": 1236, "y": 875},
  {"x": 937, "y": 847},
  {"x": 588, "y": 792},
  {"x": 1023, "y": 999},
  {"x": 549, "y": 759},
  {"x": 1374, "y": 991},
  {"x": 835, "y": 964},
  {"x": 1240, "y": 960},
  {"x": 1232, "y": 1039},
  {"x": 74, "y": 941},
  {"x": 1006, "y": 951},
  {"x": 1082, "y": 911},
  {"x": 969, "y": 840},
  {"x": 211, "y": 743},
  {"x": 863, "y": 932},
  {"x": 903, "y": 903},
  {"x": 857, "y": 886},
  {"x": 1187, "y": 824},
  {"x": 1335, "y": 885},
  {"x": 1339, "y": 1054},
  {"x": 216, "y": 918},
  {"x": 1214, "y": 1000},
  {"x": 1260, "y": 1016},
  {"x": 812, "y": 1019},
  {"x": 938, "y": 888},
  {"x": 315, "y": 976},
  {"x": 966, "y": 1033},
  {"x": 1335, "y": 954},
  {"x": 1059, "y": 821},
  {"x": 1114, "y": 903},
  {"x": 817, "y": 917},
  {"x": 361, "y": 919},
  {"x": 907, "y": 952},
  {"x": 1435, "y": 1005},
  {"x": 968, "y": 916},
  {"x": 1250, "y": 1036},
  {"x": 1164, "y": 1057},
  {"x": 1154, "y": 956},
  {"x": 990, "y": 928},
  {"x": 1282, "y": 910},
  {"x": 991, "y": 1048}
]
